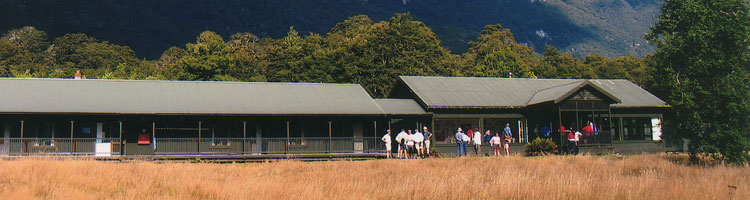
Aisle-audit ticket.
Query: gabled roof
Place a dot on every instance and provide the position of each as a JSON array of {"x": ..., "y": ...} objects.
[
  {"x": 37, "y": 95},
  {"x": 481, "y": 92},
  {"x": 400, "y": 106},
  {"x": 559, "y": 93}
]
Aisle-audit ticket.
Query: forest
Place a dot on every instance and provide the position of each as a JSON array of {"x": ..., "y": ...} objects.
[{"x": 357, "y": 50}]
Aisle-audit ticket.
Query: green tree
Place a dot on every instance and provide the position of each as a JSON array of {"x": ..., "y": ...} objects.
[
  {"x": 557, "y": 65},
  {"x": 22, "y": 50},
  {"x": 497, "y": 54},
  {"x": 702, "y": 62},
  {"x": 206, "y": 59},
  {"x": 375, "y": 54},
  {"x": 28, "y": 38}
]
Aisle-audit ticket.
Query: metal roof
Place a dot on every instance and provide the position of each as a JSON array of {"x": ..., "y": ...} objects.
[
  {"x": 481, "y": 92},
  {"x": 400, "y": 106},
  {"x": 38, "y": 95}
]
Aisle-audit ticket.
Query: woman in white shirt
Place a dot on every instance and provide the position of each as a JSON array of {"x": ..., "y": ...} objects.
[{"x": 495, "y": 142}]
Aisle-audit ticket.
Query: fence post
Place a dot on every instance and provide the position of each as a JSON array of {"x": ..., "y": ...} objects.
[{"x": 329, "y": 136}]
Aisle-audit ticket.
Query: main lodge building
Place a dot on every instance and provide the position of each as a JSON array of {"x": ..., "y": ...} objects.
[{"x": 116, "y": 118}]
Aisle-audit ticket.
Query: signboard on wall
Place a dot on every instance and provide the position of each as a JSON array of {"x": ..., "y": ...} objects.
[
  {"x": 656, "y": 129},
  {"x": 103, "y": 149}
]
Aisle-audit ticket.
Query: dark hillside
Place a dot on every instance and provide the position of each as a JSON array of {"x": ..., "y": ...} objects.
[{"x": 606, "y": 27}]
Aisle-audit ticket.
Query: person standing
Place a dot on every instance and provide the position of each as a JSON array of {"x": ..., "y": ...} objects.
[
  {"x": 401, "y": 139},
  {"x": 588, "y": 130},
  {"x": 546, "y": 131},
  {"x": 507, "y": 139},
  {"x": 466, "y": 140},
  {"x": 507, "y": 130},
  {"x": 418, "y": 140},
  {"x": 387, "y": 140},
  {"x": 410, "y": 145},
  {"x": 495, "y": 142},
  {"x": 487, "y": 136},
  {"x": 506, "y": 144},
  {"x": 427, "y": 138},
  {"x": 571, "y": 141},
  {"x": 459, "y": 141},
  {"x": 477, "y": 140}
]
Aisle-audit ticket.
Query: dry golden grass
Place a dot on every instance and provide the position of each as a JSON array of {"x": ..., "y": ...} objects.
[{"x": 559, "y": 177}]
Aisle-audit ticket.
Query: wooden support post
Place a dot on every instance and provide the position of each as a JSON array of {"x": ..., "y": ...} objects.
[
  {"x": 122, "y": 143},
  {"x": 244, "y": 136},
  {"x": 72, "y": 124},
  {"x": 22, "y": 129},
  {"x": 153, "y": 135},
  {"x": 200, "y": 128}
]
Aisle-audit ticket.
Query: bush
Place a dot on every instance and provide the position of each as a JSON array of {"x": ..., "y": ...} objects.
[{"x": 540, "y": 147}]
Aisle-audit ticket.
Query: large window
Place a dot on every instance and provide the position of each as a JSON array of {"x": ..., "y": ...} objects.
[{"x": 636, "y": 128}]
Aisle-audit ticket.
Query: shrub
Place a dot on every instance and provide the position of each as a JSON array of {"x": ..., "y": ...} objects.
[{"x": 540, "y": 147}]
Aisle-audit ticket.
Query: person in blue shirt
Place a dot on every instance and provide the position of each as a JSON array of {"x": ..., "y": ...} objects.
[
  {"x": 507, "y": 130},
  {"x": 546, "y": 131},
  {"x": 459, "y": 142},
  {"x": 509, "y": 139}
]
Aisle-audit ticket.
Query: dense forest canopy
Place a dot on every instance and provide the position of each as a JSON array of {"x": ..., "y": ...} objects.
[
  {"x": 606, "y": 27},
  {"x": 357, "y": 50}
]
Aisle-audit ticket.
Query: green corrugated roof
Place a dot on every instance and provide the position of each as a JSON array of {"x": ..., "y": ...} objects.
[
  {"x": 481, "y": 92},
  {"x": 400, "y": 106},
  {"x": 38, "y": 95}
]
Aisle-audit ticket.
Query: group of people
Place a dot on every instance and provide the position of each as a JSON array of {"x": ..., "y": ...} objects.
[
  {"x": 410, "y": 144},
  {"x": 500, "y": 143},
  {"x": 575, "y": 137},
  {"x": 416, "y": 144}
]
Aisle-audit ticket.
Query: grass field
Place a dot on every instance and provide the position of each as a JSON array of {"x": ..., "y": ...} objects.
[{"x": 558, "y": 177}]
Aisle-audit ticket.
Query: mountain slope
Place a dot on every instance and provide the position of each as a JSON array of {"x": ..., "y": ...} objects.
[{"x": 606, "y": 27}]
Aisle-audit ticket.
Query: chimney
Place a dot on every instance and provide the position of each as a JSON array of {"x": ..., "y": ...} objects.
[{"x": 78, "y": 75}]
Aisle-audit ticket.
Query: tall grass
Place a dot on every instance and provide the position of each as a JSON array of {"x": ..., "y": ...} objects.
[{"x": 557, "y": 177}]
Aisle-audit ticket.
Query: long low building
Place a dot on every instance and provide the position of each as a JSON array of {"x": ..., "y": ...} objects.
[
  {"x": 147, "y": 117},
  {"x": 627, "y": 116},
  {"x": 40, "y": 116}
]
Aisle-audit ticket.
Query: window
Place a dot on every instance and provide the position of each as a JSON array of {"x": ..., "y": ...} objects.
[{"x": 636, "y": 128}]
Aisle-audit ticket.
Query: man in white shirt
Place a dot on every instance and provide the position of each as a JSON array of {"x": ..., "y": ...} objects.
[
  {"x": 410, "y": 145},
  {"x": 400, "y": 139},
  {"x": 465, "y": 138},
  {"x": 419, "y": 138},
  {"x": 477, "y": 139},
  {"x": 387, "y": 139}
]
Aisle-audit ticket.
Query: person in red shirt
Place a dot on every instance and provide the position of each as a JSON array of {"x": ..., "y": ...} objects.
[
  {"x": 587, "y": 132},
  {"x": 562, "y": 129}
]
